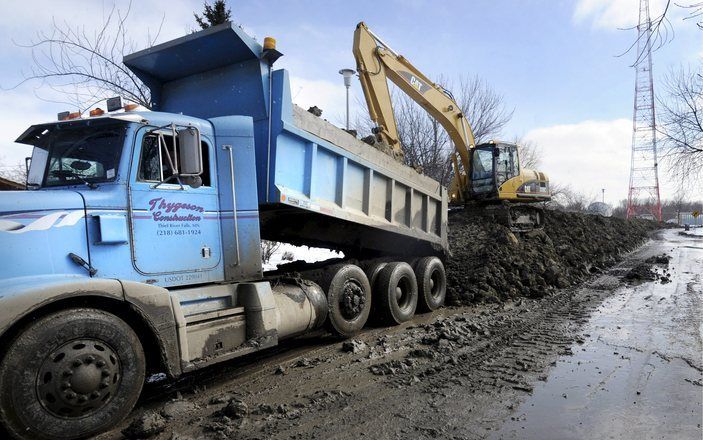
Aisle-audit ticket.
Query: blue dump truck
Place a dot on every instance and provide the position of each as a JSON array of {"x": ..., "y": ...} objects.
[{"x": 136, "y": 249}]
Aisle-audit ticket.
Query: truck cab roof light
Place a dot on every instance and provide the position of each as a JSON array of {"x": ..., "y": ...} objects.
[
  {"x": 269, "y": 43},
  {"x": 97, "y": 112},
  {"x": 74, "y": 115},
  {"x": 114, "y": 103},
  {"x": 130, "y": 107}
]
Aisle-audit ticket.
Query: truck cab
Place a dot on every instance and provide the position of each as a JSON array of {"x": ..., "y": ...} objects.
[{"x": 142, "y": 185}]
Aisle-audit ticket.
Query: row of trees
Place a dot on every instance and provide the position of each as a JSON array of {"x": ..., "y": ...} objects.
[
  {"x": 564, "y": 197},
  {"x": 670, "y": 207}
]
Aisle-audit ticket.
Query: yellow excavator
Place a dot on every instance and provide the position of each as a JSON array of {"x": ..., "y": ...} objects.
[{"x": 487, "y": 178}]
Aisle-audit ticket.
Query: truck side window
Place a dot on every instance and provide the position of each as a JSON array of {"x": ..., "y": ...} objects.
[{"x": 154, "y": 165}]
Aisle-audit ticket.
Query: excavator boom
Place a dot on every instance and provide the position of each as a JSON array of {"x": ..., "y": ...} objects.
[{"x": 377, "y": 63}]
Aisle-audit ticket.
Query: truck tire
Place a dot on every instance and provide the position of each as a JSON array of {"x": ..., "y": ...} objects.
[
  {"x": 348, "y": 299},
  {"x": 71, "y": 374},
  {"x": 431, "y": 283},
  {"x": 372, "y": 270},
  {"x": 395, "y": 293}
]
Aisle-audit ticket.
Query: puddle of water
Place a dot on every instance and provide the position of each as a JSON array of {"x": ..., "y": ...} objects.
[{"x": 635, "y": 376}]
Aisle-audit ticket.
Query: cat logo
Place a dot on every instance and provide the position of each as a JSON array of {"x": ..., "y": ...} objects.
[
  {"x": 415, "y": 82},
  {"x": 696, "y": 214}
]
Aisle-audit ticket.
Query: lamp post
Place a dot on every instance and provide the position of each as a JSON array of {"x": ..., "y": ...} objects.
[
  {"x": 603, "y": 190},
  {"x": 347, "y": 74}
]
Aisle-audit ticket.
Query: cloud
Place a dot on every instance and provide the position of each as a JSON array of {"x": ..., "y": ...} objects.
[
  {"x": 18, "y": 109},
  {"x": 614, "y": 14},
  {"x": 589, "y": 156}
]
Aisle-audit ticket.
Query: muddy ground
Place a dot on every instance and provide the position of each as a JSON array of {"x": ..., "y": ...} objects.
[{"x": 579, "y": 350}]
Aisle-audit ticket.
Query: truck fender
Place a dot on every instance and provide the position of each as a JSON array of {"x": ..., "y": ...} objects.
[
  {"x": 21, "y": 296},
  {"x": 153, "y": 304}
]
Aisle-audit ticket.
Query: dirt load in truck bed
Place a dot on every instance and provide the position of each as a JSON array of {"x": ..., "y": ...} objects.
[{"x": 490, "y": 263}]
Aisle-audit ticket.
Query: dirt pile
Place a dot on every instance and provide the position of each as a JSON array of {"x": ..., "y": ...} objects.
[
  {"x": 652, "y": 269},
  {"x": 489, "y": 263}
]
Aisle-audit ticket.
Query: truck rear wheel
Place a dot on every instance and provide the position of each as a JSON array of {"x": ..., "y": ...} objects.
[
  {"x": 372, "y": 270},
  {"x": 395, "y": 293},
  {"x": 70, "y": 374},
  {"x": 431, "y": 283},
  {"x": 348, "y": 299}
]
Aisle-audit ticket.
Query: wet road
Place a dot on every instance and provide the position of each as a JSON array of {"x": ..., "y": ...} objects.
[{"x": 638, "y": 373}]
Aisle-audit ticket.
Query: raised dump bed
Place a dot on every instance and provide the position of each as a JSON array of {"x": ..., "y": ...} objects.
[
  {"x": 330, "y": 189},
  {"x": 317, "y": 184}
]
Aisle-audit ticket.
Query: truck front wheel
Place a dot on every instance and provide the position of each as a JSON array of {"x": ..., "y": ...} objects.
[{"x": 70, "y": 374}]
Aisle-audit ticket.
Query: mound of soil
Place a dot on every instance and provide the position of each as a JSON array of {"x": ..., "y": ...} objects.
[
  {"x": 641, "y": 272},
  {"x": 490, "y": 263}
]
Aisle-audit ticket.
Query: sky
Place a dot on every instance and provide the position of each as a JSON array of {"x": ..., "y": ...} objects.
[{"x": 554, "y": 61}]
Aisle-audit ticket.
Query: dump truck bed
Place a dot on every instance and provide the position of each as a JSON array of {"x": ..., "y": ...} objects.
[{"x": 330, "y": 189}]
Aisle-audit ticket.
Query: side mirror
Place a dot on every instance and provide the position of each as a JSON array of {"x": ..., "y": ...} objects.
[{"x": 190, "y": 154}]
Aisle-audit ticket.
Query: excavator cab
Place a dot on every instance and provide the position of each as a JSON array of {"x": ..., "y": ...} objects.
[{"x": 492, "y": 164}]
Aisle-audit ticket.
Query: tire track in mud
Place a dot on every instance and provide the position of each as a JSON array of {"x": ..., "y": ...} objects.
[{"x": 431, "y": 388}]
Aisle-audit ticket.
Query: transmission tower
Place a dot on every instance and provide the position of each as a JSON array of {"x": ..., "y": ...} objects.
[{"x": 643, "y": 196}]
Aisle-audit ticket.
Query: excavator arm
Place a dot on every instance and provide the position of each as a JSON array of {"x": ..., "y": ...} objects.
[{"x": 376, "y": 63}]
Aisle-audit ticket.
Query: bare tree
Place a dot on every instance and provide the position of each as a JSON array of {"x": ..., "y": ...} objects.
[
  {"x": 681, "y": 125},
  {"x": 530, "y": 154},
  {"x": 268, "y": 248},
  {"x": 425, "y": 143},
  {"x": 662, "y": 30},
  {"x": 484, "y": 107},
  {"x": 566, "y": 198},
  {"x": 695, "y": 13},
  {"x": 85, "y": 67},
  {"x": 16, "y": 173}
]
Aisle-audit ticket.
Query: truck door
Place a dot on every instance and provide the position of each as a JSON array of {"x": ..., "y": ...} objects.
[{"x": 175, "y": 225}]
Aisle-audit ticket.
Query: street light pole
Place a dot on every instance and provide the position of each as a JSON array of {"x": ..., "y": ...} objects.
[
  {"x": 603, "y": 194},
  {"x": 347, "y": 74}
]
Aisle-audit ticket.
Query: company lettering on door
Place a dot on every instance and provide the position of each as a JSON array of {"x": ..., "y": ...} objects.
[{"x": 176, "y": 218}]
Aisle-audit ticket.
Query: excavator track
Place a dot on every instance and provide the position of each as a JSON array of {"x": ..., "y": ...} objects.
[{"x": 519, "y": 217}]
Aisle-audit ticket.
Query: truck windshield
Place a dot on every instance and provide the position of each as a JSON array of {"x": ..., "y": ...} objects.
[{"x": 76, "y": 155}]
